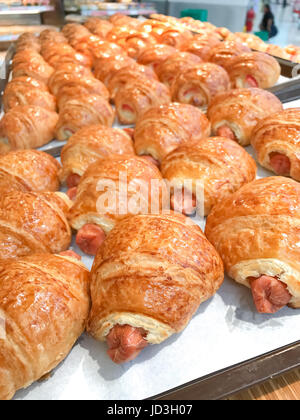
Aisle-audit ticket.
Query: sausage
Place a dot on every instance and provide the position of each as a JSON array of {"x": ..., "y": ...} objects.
[
  {"x": 125, "y": 343},
  {"x": 225, "y": 131},
  {"x": 269, "y": 294},
  {"x": 184, "y": 203},
  {"x": 89, "y": 238},
  {"x": 280, "y": 163},
  {"x": 152, "y": 160},
  {"x": 71, "y": 254},
  {"x": 250, "y": 82},
  {"x": 73, "y": 180},
  {"x": 71, "y": 193},
  {"x": 127, "y": 108}
]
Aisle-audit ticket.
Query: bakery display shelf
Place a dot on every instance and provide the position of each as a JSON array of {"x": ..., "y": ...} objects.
[{"x": 25, "y": 10}]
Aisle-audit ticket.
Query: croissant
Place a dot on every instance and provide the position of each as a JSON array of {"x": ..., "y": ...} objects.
[
  {"x": 33, "y": 223},
  {"x": 105, "y": 68},
  {"x": 256, "y": 231},
  {"x": 118, "y": 19},
  {"x": 254, "y": 69},
  {"x": 137, "y": 96},
  {"x": 83, "y": 111},
  {"x": 234, "y": 114},
  {"x": 155, "y": 55},
  {"x": 223, "y": 51},
  {"x": 218, "y": 163},
  {"x": 136, "y": 42},
  {"x": 253, "y": 41},
  {"x": 66, "y": 72},
  {"x": 97, "y": 48},
  {"x": 147, "y": 281},
  {"x": 108, "y": 191},
  {"x": 129, "y": 74},
  {"x": 56, "y": 54},
  {"x": 26, "y": 41},
  {"x": 52, "y": 35},
  {"x": 26, "y": 127},
  {"x": 174, "y": 65},
  {"x": 162, "y": 129},
  {"x": 198, "y": 85},
  {"x": 175, "y": 37},
  {"x": 44, "y": 307},
  {"x": 119, "y": 33},
  {"x": 19, "y": 92},
  {"x": 276, "y": 142},
  {"x": 28, "y": 170},
  {"x": 29, "y": 63},
  {"x": 277, "y": 51},
  {"x": 99, "y": 27},
  {"x": 74, "y": 32},
  {"x": 201, "y": 45},
  {"x": 88, "y": 145}
]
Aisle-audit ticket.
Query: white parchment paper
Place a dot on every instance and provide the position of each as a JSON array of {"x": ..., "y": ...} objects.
[{"x": 225, "y": 330}]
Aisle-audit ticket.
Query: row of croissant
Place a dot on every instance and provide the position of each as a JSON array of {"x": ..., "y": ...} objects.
[
  {"x": 152, "y": 270},
  {"x": 290, "y": 52},
  {"x": 136, "y": 66}
]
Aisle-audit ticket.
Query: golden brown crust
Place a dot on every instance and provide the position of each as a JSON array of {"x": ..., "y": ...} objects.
[
  {"x": 137, "y": 96},
  {"x": 105, "y": 68},
  {"x": 136, "y": 42},
  {"x": 162, "y": 129},
  {"x": 33, "y": 170},
  {"x": 44, "y": 305},
  {"x": 91, "y": 205},
  {"x": 251, "y": 40},
  {"x": 99, "y": 27},
  {"x": 52, "y": 35},
  {"x": 68, "y": 73},
  {"x": 155, "y": 55},
  {"x": 258, "y": 227},
  {"x": 198, "y": 85},
  {"x": 90, "y": 144},
  {"x": 28, "y": 40},
  {"x": 260, "y": 66},
  {"x": 201, "y": 45},
  {"x": 26, "y": 127},
  {"x": 241, "y": 110},
  {"x": 156, "y": 266},
  {"x": 29, "y": 63},
  {"x": 219, "y": 163},
  {"x": 280, "y": 133},
  {"x": 175, "y": 37},
  {"x": 19, "y": 93},
  {"x": 223, "y": 51},
  {"x": 83, "y": 111},
  {"x": 57, "y": 53},
  {"x": 33, "y": 223},
  {"x": 175, "y": 64}
]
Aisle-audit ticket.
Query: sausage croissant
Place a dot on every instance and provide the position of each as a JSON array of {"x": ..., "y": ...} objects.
[
  {"x": 26, "y": 127},
  {"x": 256, "y": 231},
  {"x": 148, "y": 279},
  {"x": 33, "y": 223},
  {"x": 276, "y": 142},
  {"x": 28, "y": 170},
  {"x": 43, "y": 311}
]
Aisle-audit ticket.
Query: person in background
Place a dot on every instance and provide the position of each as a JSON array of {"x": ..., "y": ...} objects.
[{"x": 268, "y": 22}]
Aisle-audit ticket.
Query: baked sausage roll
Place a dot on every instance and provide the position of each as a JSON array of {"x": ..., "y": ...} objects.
[
  {"x": 277, "y": 51},
  {"x": 81, "y": 112},
  {"x": 155, "y": 55},
  {"x": 55, "y": 54},
  {"x": 162, "y": 129},
  {"x": 234, "y": 114},
  {"x": 201, "y": 45},
  {"x": 254, "y": 69},
  {"x": 26, "y": 127},
  {"x": 99, "y": 27},
  {"x": 256, "y": 231},
  {"x": 105, "y": 68},
  {"x": 175, "y": 37},
  {"x": 28, "y": 40},
  {"x": 136, "y": 42},
  {"x": 109, "y": 190},
  {"x": 52, "y": 35},
  {"x": 253, "y": 41},
  {"x": 219, "y": 164},
  {"x": 30, "y": 63},
  {"x": 68, "y": 73},
  {"x": 137, "y": 96},
  {"x": 129, "y": 74},
  {"x": 198, "y": 85},
  {"x": 33, "y": 223},
  {"x": 118, "y": 19},
  {"x": 74, "y": 32},
  {"x": 223, "y": 51},
  {"x": 175, "y": 64},
  {"x": 19, "y": 92},
  {"x": 44, "y": 307},
  {"x": 143, "y": 288},
  {"x": 276, "y": 142},
  {"x": 87, "y": 146},
  {"x": 28, "y": 170}
]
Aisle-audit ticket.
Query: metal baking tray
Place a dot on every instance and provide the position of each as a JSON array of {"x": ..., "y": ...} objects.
[{"x": 234, "y": 378}]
